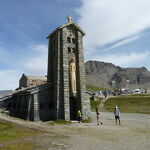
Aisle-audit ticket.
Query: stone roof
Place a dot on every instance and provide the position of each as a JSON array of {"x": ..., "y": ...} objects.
[
  {"x": 35, "y": 77},
  {"x": 65, "y": 25},
  {"x": 32, "y": 89}
]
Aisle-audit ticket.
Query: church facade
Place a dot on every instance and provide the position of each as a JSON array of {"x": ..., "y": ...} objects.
[{"x": 65, "y": 92}]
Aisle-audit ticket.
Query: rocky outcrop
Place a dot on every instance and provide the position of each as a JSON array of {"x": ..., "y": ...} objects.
[{"x": 108, "y": 75}]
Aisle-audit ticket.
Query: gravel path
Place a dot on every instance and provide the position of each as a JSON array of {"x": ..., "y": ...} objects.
[{"x": 133, "y": 134}]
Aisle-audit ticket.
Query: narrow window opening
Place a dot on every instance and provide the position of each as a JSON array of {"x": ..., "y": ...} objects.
[
  {"x": 73, "y": 40},
  {"x": 69, "y": 50},
  {"x": 68, "y": 39}
]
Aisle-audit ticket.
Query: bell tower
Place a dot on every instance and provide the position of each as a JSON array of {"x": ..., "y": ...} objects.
[{"x": 66, "y": 71}]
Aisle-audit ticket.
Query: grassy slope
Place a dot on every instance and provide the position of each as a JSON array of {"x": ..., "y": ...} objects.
[
  {"x": 10, "y": 132},
  {"x": 129, "y": 104},
  {"x": 93, "y": 88},
  {"x": 140, "y": 95},
  {"x": 94, "y": 104}
]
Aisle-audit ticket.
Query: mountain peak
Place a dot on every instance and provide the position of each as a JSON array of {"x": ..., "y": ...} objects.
[{"x": 102, "y": 74}]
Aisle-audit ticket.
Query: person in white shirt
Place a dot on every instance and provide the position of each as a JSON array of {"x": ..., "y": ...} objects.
[{"x": 117, "y": 115}]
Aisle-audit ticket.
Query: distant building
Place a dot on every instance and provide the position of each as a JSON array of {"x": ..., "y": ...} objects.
[{"x": 28, "y": 80}]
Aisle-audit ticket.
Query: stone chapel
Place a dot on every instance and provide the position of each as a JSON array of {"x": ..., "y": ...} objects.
[{"x": 64, "y": 93}]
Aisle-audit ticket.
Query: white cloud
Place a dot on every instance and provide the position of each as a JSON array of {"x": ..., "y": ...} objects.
[
  {"x": 9, "y": 79},
  {"x": 33, "y": 63},
  {"x": 42, "y": 48},
  {"x": 37, "y": 64},
  {"x": 125, "y": 60},
  {"x": 123, "y": 42},
  {"x": 4, "y": 55},
  {"x": 107, "y": 21}
]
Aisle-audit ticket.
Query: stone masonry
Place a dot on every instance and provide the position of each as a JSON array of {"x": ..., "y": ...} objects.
[{"x": 65, "y": 43}]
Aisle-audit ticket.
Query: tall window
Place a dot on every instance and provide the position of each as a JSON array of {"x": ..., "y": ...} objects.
[
  {"x": 69, "y": 49},
  {"x": 68, "y": 40},
  {"x": 73, "y": 40}
]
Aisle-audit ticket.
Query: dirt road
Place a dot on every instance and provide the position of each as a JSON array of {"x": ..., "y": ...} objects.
[{"x": 133, "y": 134}]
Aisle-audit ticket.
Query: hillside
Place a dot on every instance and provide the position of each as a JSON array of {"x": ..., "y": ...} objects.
[
  {"x": 108, "y": 75},
  {"x": 4, "y": 92}
]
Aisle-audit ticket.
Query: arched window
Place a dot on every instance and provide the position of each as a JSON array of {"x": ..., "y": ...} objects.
[
  {"x": 68, "y": 40},
  {"x": 69, "y": 50},
  {"x": 73, "y": 40}
]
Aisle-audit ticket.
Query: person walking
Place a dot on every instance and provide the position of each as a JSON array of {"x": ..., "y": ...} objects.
[
  {"x": 98, "y": 117},
  {"x": 79, "y": 115},
  {"x": 117, "y": 115},
  {"x": 105, "y": 94}
]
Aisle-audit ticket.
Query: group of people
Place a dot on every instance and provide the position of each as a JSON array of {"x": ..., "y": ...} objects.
[
  {"x": 116, "y": 114},
  {"x": 99, "y": 122}
]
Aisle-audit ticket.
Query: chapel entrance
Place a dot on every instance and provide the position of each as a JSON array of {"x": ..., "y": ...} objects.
[{"x": 73, "y": 108}]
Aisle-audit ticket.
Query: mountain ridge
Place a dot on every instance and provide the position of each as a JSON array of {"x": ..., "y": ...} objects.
[{"x": 108, "y": 75}]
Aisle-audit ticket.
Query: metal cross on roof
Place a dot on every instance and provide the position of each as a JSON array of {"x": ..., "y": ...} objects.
[{"x": 70, "y": 19}]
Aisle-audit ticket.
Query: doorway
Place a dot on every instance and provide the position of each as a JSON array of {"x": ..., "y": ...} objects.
[{"x": 73, "y": 108}]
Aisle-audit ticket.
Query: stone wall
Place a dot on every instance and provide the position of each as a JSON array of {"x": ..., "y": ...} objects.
[
  {"x": 65, "y": 44},
  {"x": 26, "y": 80},
  {"x": 23, "y": 81}
]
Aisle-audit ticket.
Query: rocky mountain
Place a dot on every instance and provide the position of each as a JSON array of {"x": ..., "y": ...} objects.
[{"x": 108, "y": 75}]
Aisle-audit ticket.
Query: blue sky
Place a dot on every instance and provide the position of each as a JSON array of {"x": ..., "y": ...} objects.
[{"x": 118, "y": 31}]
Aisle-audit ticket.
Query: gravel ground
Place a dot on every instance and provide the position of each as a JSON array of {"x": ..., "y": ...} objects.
[{"x": 133, "y": 134}]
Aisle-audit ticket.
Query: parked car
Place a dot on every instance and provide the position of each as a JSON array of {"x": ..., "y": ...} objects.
[
  {"x": 89, "y": 91},
  {"x": 137, "y": 91},
  {"x": 116, "y": 93}
]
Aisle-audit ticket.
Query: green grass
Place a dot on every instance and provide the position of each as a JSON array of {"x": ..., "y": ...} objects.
[
  {"x": 129, "y": 104},
  {"x": 139, "y": 95},
  {"x": 94, "y": 88},
  {"x": 11, "y": 132},
  {"x": 94, "y": 104}
]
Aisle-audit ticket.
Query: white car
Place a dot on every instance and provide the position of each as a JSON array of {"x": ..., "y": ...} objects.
[{"x": 137, "y": 91}]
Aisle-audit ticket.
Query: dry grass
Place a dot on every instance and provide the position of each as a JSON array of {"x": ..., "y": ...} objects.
[{"x": 22, "y": 145}]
